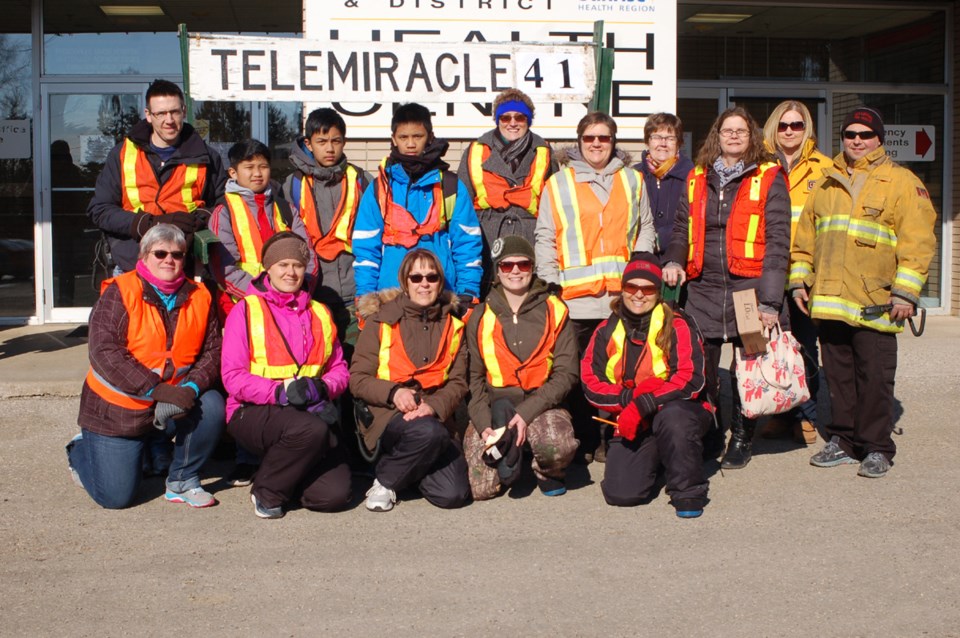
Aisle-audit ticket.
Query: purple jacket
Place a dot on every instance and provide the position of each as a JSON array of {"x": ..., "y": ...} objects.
[{"x": 293, "y": 316}]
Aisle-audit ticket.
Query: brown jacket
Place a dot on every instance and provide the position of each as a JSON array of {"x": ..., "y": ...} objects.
[
  {"x": 111, "y": 359},
  {"x": 522, "y": 333},
  {"x": 421, "y": 330}
]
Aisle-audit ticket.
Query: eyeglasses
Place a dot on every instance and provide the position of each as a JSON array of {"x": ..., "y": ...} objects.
[
  {"x": 416, "y": 277},
  {"x": 729, "y": 132},
  {"x": 631, "y": 289},
  {"x": 656, "y": 139},
  {"x": 506, "y": 267},
  {"x": 590, "y": 139},
  {"x": 519, "y": 118},
  {"x": 863, "y": 135},
  {"x": 162, "y": 254},
  {"x": 793, "y": 126},
  {"x": 162, "y": 115}
]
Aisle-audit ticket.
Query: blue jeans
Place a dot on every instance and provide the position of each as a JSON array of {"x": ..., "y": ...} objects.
[{"x": 110, "y": 467}]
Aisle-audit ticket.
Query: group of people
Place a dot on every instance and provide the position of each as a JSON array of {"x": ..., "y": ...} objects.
[{"x": 529, "y": 287}]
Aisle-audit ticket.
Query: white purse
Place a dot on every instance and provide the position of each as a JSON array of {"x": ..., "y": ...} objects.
[{"x": 772, "y": 382}]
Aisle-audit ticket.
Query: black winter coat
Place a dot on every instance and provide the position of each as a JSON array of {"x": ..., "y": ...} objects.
[
  {"x": 665, "y": 195},
  {"x": 710, "y": 296}
]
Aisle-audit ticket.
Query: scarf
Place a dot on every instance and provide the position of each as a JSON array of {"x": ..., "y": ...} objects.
[
  {"x": 163, "y": 287},
  {"x": 416, "y": 166},
  {"x": 660, "y": 170},
  {"x": 330, "y": 174},
  {"x": 637, "y": 325},
  {"x": 727, "y": 173},
  {"x": 512, "y": 152}
]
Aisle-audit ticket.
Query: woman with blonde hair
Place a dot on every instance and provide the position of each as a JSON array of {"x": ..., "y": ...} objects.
[
  {"x": 789, "y": 134},
  {"x": 732, "y": 233}
]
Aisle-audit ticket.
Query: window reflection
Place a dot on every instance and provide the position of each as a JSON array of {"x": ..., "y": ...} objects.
[{"x": 155, "y": 54}]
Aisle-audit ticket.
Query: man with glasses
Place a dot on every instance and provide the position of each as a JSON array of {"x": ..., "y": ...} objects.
[
  {"x": 860, "y": 258},
  {"x": 161, "y": 172}
]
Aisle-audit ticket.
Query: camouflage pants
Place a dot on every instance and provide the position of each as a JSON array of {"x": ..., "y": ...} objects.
[{"x": 550, "y": 437}]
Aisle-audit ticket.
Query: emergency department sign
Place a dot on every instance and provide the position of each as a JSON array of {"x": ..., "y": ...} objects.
[
  {"x": 292, "y": 69},
  {"x": 643, "y": 34}
]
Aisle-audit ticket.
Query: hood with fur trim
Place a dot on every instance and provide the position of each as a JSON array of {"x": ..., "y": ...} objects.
[{"x": 371, "y": 303}]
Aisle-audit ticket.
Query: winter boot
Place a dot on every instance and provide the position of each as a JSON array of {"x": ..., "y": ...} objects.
[{"x": 740, "y": 449}]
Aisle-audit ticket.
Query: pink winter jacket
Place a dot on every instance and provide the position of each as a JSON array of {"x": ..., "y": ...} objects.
[{"x": 293, "y": 316}]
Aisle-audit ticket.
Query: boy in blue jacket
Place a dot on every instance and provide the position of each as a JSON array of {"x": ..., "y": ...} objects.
[{"x": 416, "y": 202}]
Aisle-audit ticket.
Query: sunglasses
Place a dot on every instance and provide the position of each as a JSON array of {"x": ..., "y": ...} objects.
[
  {"x": 162, "y": 254},
  {"x": 631, "y": 289},
  {"x": 506, "y": 267},
  {"x": 519, "y": 118},
  {"x": 863, "y": 135},
  {"x": 793, "y": 126},
  {"x": 590, "y": 139},
  {"x": 416, "y": 277}
]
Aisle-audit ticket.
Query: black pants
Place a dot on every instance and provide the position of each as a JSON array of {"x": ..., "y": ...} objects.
[
  {"x": 861, "y": 365},
  {"x": 585, "y": 429},
  {"x": 675, "y": 440},
  {"x": 300, "y": 457},
  {"x": 422, "y": 453}
]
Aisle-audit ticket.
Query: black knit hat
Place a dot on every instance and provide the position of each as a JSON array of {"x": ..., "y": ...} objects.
[
  {"x": 511, "y": 246},
  {"x": 643, "y": 266},
  {"x": 870, "y": 118}
]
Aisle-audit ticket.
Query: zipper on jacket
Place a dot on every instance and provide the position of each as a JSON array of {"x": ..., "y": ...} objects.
[{"x": 723, "y": 266}]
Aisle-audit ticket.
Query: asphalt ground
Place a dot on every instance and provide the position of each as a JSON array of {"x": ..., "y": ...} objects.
[{"x": 783, "y": 549}]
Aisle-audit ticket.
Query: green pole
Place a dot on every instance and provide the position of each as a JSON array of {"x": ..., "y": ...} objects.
[
  {"x": 185, "y": 65},
  {"x": 603, "y": 61}
]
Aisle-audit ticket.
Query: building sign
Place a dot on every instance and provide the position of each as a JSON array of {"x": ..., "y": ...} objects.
[
  {"x": 643, "y": 34},
  {"x": 910, "y": 143},
  {"x": 293, "y": 69},
  {"x": 15, "y": 139}
]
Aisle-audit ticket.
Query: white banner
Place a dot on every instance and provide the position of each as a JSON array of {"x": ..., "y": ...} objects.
[
  {"x": 643, "y": 34},
  {"x": 293, "y": 69}
]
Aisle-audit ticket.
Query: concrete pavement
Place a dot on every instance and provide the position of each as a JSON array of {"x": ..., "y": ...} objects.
[{"x": 783, "y": 549}]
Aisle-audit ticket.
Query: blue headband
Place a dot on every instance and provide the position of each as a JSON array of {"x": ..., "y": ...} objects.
[{"x": 513, "y": 105}]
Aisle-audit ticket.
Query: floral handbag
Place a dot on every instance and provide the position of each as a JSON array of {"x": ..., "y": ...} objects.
[{"x": 775, "y": 381}]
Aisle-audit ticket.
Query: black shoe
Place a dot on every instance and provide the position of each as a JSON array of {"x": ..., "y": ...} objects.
[
  {"x": 738, "y": 455},
  {"x": 242, "y": 475}
]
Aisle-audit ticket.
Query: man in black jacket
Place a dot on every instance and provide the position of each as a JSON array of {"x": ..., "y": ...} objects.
[{"x": 161, "y": 172}]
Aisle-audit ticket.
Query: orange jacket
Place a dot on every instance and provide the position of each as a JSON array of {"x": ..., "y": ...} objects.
[
  {"x": 503, "y": 367},
  {"x": 147, "y": 339},
  {"x": 338, "y": 239},
  {"x": 395, "y": 365},
  {"x": 142, "y": 193},
  {"x": 745, "y": 239},
  {"x": 494, "y": 191}
]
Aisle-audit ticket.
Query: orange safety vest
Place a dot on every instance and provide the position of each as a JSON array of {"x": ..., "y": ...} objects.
[
  {"x": 399, "y": 226},
  {"x": 494, "y": 191},
  {"x": 147, "y": 339},
  {"x": 269, "y": 357},
  {"x": 746, "y": 239},
  {"x": 247, "y": 233},
  {"x": 594, "y": 241},
  {"x": 338, "y": 240},
  {"x": 396, "y": 366},
  {"x": 182, "y": 192},
  {"x": 654, "y": 363},
  {"x": 504, "y": 369}
]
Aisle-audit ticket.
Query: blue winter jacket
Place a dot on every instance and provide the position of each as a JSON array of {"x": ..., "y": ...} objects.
[
  {"x": 665, "y": 195},
  {"x": 458, "y": 246}
]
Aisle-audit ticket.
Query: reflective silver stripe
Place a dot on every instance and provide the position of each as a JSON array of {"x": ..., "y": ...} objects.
[
  {"x": 118, "y": 390},
  {"x": 569, "y": 216}
]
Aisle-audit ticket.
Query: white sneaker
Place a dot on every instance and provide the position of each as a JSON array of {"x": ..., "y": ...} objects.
[{"x": 380, "y": 498}]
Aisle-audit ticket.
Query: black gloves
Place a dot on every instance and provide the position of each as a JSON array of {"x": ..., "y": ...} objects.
[
  {"x": 306, "y": 391},
  {"x": 189, "y": 223},
  {"x": 180, "y": 396}
]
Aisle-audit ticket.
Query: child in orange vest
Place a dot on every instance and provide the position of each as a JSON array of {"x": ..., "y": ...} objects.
[{"x": 249, "y": 213}]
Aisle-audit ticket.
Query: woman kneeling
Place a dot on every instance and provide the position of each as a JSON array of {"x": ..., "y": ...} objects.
[
  {"x": 410, "y": 369},
  {"x": 154, "y": 352},
  {"x": 523, "y": 362},
  {"x": 645, "y": 363},
  {"x": 283, "y": 368}
]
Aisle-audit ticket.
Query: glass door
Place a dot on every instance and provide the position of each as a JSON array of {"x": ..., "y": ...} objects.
[{"x": 82, "y": 124}]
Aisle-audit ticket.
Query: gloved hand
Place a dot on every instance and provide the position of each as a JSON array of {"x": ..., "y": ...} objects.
[
  {"x": 162, "y": 412},
  {"x": 183, "y": 397},
  {"x": 306, "y": 391},
  {"x": 187, "y": 222},
  {"x": 555, "y": 289},
  {"x": 327, "y": 412},
  {"x": 467, "y": 303},
  {"x": 636, "y": 413},
  {"x": 280, "y": 395}
]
